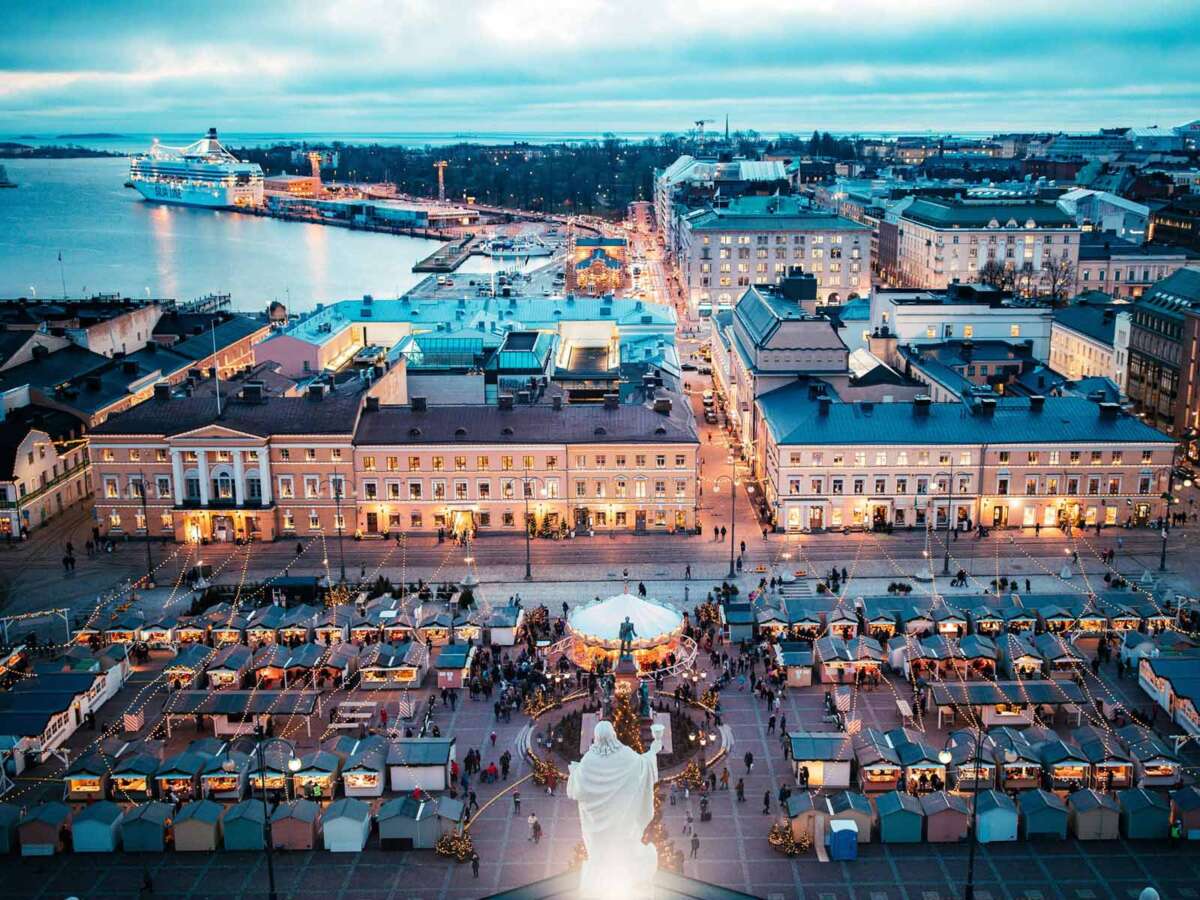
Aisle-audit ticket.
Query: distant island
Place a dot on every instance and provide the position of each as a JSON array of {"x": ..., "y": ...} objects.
[
  {"x": 88, "y": 136},
  {"x": 13, "y": 150}
]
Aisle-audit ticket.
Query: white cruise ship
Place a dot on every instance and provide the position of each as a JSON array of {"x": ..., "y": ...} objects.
[{"x": 200, "y": 174}]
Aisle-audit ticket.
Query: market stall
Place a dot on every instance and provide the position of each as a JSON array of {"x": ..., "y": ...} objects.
[
  {"x": 45, "y": 829},
  {"x": 87, "y": 778},
  {"x": 229, "y": 666},
  {"x": 416, "y": 820},
  {"x": 144, "y": 827},
  {"x": 986, "y": 621},
  {"x": 795, "y": 658},
  {"x": 317, "y": 776},
  {"x": 1185, "y": 809},
  {"x": 224, "y": 775},
  {"x": 420, "y": 763},
  {"x": 879, "y": 768},
  {"x": 854, "y": 806},
  {"x": 1043, "y": 815},
  {"x": 132, "y": 776},
  {"x": 1155, "y": 764},
  {"x": 242, "y": 826},
  {"x": 901, "y": 820},
  {"x": 295, "y": 825},
  {"x": 197, "y": 826},
  {"x": 184, "y": 670},
  {"x": 1094, "y": 816},
  {"x": 1005, "y": 703},
  {"x": 96, "y": 828},
  {"x": 178, "y": 778},
  {"x": 821, "y": 759},
  {"x": 364, "y": 772},
  {"x": 1145, "y": 814},
  {"x": 347, "y": 825},
  {"x": 1111, "y": 764},
  {"x": 453, "y": 665},
  {"x": 996, "y": 817},
  {"x": 386, "y": 666},
  {"x": 947, "y": 817}
]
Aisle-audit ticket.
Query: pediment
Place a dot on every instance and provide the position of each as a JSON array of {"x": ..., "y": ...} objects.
[{"x": 216, "y": 432}]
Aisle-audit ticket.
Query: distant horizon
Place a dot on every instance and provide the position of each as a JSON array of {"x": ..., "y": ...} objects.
[{"x": 590, "y": 66}]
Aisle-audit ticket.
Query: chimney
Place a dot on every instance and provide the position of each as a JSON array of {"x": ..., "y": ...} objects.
[
  {"x": 662, "y": 406},
  {"x": 372, "y": 405},
  {"x": 316, "y": 392},
  {"x": 162, "y": 392},
  {"x": 556, "y": 402},
  {"x": 506, "y": 401},
  {"x": 254, "y": 392},
  {"x": 1037, "y": 403},
  {"x": 823, "y": 405},
  {"x": 921, "y": 404},
  {"x": 612, "y": 400},
  {"x": 1109, "y": 410},
  {"x": 419, "y": 404},
  {"x": 986, "y": 407}
]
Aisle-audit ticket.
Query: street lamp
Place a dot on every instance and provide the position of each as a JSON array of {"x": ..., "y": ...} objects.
[
  {"x": 733, "y": 483},
  {"x": 525, "y": 480},
  {"x": 141, "y": 489},
  {"x": 945, "y": 757},
  {"x": 949, "y": 517},
  {"x": 293, "y": 766},
  {"x": 1162, "y": 556}
]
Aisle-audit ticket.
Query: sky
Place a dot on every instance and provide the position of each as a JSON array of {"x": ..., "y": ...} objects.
[{"x": 596, "y": 65}]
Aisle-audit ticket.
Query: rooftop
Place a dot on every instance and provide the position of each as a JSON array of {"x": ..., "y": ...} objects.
[
  {"x": 941, "y": 212},
  {"x": 276, "y": 415}
]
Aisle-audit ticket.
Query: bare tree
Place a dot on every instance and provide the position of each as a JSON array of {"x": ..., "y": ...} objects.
[
  {"x": 1059, "y": 276},
  {"x": 991, "y": 273},
  {"x": 1026, "y": 279}
]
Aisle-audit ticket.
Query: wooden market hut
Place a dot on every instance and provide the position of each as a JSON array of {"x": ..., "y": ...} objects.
[
  {"x": 923, "y": 769},
  {"x": 45, "y": 829},
  {"x": 10, "y": 815},
  {"x": 347, "y": 825},
  {"x": 97, "y": 828},
  {"x": 842, "y": 623},
  {"x": 224, "y": 775},
  {"x": 385, "y": 666},
  {"x": 295, "y": 825},
  {"x": 1065, "y": 766},
  {"x": 738, "y": 621},
  {"x": 1043, "y": 815},
  {"x": 197, "y": 826},
  {"x": 854, "y": 806},
  {"x": 333, "y": 625},
  {"x": 1185, "y": 810},
  {"x": 916, "y": 621},
  {"x": 949, "y": 622},
  {"x": 1018, "y": 619},
  {"x": 771, "y": 622},
  {"x": 190, "y": 630},
  {"x": 879, "y": 619},
  {"x": 826, "y": 756},
  {"x": 1055, "y": 619},
  {"x": 965, "y": 772},
  {"x": 803, "y": 809},
  {"x": 1019, "y": 657},
  {"x": 179, "y": 776},
  {"x": 453, "y": 665},
  {"x": 1012, "y": 703},
  {"x": 263, "y": 627},
  {"x": 901, "y": 820},
  {"x": 1062, "y": 659},
  {"x": 1094, "y": 816},
  {"x": 133, "y": 776},
  {"x": 996, "y": 817},
  {"x": 1019, "y": 762},
  {"x": 414, "y": 821},
  {"x": 1111, "y": 764},
  {"x": 317, "y": 777},
  {"x": 947, "y": 817},
  {"x": 337, "y": 665},
  {"x": 364, "y": 773},
  {"x": 804, "y": 622},
  {"x": 227, "y": 626},
  {"x": 229, "y": 666},
  {"x": 242, "y": 826},
  {"x": 878, "y": 764},
  {"x": 420, "y": 763},
  {"x": 126, "y": 628},
  {"x": 144, "y": 827},
  {"x": 1145, "y": 815},
  {"x": 500, "y": 625},
  {"x": 986, "y": 621},
  {"x": 87, "y": 777},
  {"x": 272, "y": 775},
  {"x": 185, "y": 669},
  {"x": 976, "y": 657},
  {"x": 1155, "y": 764},
  {"x": 159, "y": 633},
  {"x": 795, "y": 658},
  {"x": 845, "y": 662}
]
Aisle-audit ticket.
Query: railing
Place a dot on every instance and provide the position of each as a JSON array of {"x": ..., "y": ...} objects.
[
  {"x": 50, "y": 485},
  {"x": 195, "y": 503}
]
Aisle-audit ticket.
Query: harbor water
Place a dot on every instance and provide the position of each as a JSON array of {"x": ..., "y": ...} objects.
[{"x": 113, "y": 241}]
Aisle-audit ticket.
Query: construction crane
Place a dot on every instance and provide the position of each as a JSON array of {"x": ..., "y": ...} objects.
[
  {"x": 440, "y": 165},
  {"x": 700, "y": 123}
]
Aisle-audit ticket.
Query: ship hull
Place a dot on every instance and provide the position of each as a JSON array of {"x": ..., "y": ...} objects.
[{"x": 212, "y": 198}]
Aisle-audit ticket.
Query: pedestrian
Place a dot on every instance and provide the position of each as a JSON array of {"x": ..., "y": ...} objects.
[
  {"x": 673, "y": 794},
  {"x": 740, "y": 790},
  {"x": 725, "y": 779},
  {"x": 505, "y": 762},
  {"x": 722, "y": 532},
  {"x": 516, "y": 803},
  {"x": 771, "y": 724},
  {"x": 766, "y": 802},
  {"x": 695, "y": 845},
  {"x": 472, "y": 802},
  {"x": 1027, "y": 586},
  {"x": 493, "y": 737},
  {"x": 533, "y": 825},
  {"x": 299, "y": 548},
  {"x": 687, "y": 573},
  {"x": 475, "y": 864},
  {"x": 749, "y": 760},
  {"x": 688, "y": 822}
]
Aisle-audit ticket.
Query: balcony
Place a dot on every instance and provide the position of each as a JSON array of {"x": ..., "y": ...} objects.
[{"x": 249, "y": 505}]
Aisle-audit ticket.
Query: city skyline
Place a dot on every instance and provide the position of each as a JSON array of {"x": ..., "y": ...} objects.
[{"x": 595, "y": 67}]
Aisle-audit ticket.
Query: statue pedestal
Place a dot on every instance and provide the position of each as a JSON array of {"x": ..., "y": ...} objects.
[{"x": 626, "y": 676}]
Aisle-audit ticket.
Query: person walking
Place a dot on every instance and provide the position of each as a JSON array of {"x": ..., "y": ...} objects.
[
  {"x": 771, "y": 724},
  {"x": 475, "y": 864},
  {"x": 725, "y": 779},
  {"x": 766, "y": 802},
  {"x": 748, "y": 759},
  {"x": 695, "y": 845},
  {"x": 740, "y": 789},
  {"x": 533, "y": 823},
  {"x": 516, "y": 803}
]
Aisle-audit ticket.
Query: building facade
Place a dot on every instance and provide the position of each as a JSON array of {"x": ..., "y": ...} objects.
[
  {"x": 45, "y": 471},
  {"x": 1125, "y": 269},
  {"x": 308, "y": 467},
  {"x": 943, "y": 241},
  {"x": 757, "y": 240},
  {"x": 1012, "y": 462},
  {"x": 1084, "y": 340}
]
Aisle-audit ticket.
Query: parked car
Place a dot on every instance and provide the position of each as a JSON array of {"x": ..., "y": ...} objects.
[{"x": 688, "y": 367}]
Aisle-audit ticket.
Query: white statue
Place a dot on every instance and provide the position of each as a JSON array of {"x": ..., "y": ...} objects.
[{"x": 614, "y": 786}]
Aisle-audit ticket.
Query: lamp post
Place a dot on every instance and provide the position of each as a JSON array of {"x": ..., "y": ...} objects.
[
  {"x": 945, "y": 757},
  {"x": 526, "y": 478},
  {"x": 949, "y": 517},
  {"x": 336, "y": 484},
  {"x": 293, "y": 765},
  {"x": 733, "y": 482},
  {"x": 1162, "y": 556},
  {"x": 146, "y": 522}
]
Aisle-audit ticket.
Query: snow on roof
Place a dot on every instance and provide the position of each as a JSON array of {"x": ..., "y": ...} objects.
[{"x": 602, "y": 618}]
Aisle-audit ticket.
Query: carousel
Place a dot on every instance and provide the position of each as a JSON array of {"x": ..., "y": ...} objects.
[{"x": 595, "y": 632}]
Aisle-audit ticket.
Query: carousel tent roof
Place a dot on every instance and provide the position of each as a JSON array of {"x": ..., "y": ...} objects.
[{"x": 602, "y": 618}]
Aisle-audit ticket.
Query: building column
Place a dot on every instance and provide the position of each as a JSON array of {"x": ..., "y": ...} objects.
[
  {"x": 177, "y": 486},
  {"x": 239, "y": 479},
  {"x": 264, "y": 476},
  {"x": 202, "y": 470}
]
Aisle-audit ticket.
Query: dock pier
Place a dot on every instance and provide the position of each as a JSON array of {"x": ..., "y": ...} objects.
[{"x": 449, "y": 257}]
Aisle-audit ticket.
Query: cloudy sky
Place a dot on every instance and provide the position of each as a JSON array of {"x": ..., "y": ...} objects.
[{"x": 594, "y": 65}]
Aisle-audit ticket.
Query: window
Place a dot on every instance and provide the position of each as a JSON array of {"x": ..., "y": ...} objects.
[
  {"x": 337, "y": 486},
  {"x": 393, "y": 490},
  {"x": 111, "y": 488},
  {"x": 1114, "y": 486},
  {"x": 839, "y": 459},
  {"x": 581, "y": 489},
  {"x": 310, "y": 454},
  {"x": 621, "y": 489},
  {"x": 880, "y": 486},
  {"x": 289, "y": 520},
  {"x": 601, "y": 487},
  {"x": 859, "y": 485},
  {"x": 660, "y": 461},
  {"x": 1031, "y": 486},
  {"x": 312, "y": 487},
  {"x": 286, "y": 489},
  {"x": 1002, "y": 487},
  {"x": 527, "y": 462},
  {"x": 1075, "y": 456},
  {"x": 485, "y": 490},
  {"x": 620, "y": 460},
  {"x": 968, "y": 330},
  {"x": 881, "y": 458},
  {"x": 439, "y": 464},
  {"x": 106, "y": 454},
  {"x": 393, "y": 463},
  {"x": 794, "y": 485},
  {"x": 1147, "y": 456},
  {"x": 163, "y": 485},
  {"x": 1073, "y": 486},
  {"x": 507, "y": 489},
  {"x": 439, "y": 489},
  {"x": 660, "y": 489},
  {"x": 1144, "y": 485},
  {"x": 817, "y": 485},
  {"x": 370, "y": 490},
  {"x": 460, "y": 464},
  {"x": 336, "y": 454},
  {"x": 1097, "y": 457},
  {"x": 964, "y": 458},
  {"x": 860, "y": 458},
  {"x": 902, "y": 458},
  {"x": 414, "y": 464},
  {"x": 639, "y": 460},
  {"x": 1014, "y": 331},
  {"x": 135, "y": 455},
  {"x": 314, "y": 520},
  {"x": 460, "y": 490},
  {"x": 943, "y": 459},
  {"x": 551, "y": 462},
  {"x": 481, "y": 463},
  {"x": 901, "y": 485},
  {"x": 160, "y": 455},
  {"x": 369, "y": 463},
  {"x": 1093, "y": 486},
  {"x": 581, "y": 461},
  {"x": 507, "y": 519},
  {"x": 1032, "y": 457},
  {"x": 415, "y": 520},
  {"x": 1003, "y": 457},
  {"x": 835, "y": 485},
  {"x": 639, "y": 488},
  {"x": 1117, "y": 457},
  {"x": 284, "y": 454},
  {"x": 506, "y": 463},
  {"x": 1053, "y": 457},
  {"x": 680, "y": 460}
]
